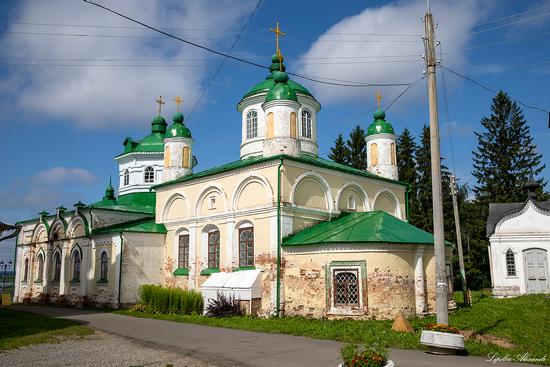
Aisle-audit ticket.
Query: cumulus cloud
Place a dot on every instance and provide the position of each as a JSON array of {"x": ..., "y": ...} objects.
[
  {"x": 62, "y": 174},
  {"x": 75, "y": 82},
  {"x": 346, "y": 51}
]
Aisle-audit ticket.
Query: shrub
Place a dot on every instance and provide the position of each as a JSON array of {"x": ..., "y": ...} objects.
[
  {"x": 354, "y": 356},
  {"x": 442, "y": 328},
  {"x": 170, "y": 300},
  {"x": 223, "y": 306}
]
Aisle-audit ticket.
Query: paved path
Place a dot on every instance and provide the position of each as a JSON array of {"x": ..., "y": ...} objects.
[{"x": 228, "y": 347}]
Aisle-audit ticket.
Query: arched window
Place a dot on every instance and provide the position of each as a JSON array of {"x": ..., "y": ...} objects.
[
  {"x": 374, "y": 154},
  {"x": 56, "y": 267},
  {"x": 149, "y": 175},
  {"x": 510, "y": 263},
  {"x": 293, "y": 125},
  {"x": 306, "y": 124},
  {"x": 270, "y": 125},
  {"x": 26, "y": 270},
  {"x": 185, "y": 158},
  {"x": 40, "y": 272},
  {"x": 393, "y": 154},
  {"x": 183, "y": 251},
  {"x": 351, "y": 202},
  {"x": 251, "y": 124},
  {"x": 126, "y": 177},
  {"x": 104, "y": 265},
  {"x": 76, "y": 258},
  {"x": 214, "y": 249},
  {"x": 246, "y": 246}
]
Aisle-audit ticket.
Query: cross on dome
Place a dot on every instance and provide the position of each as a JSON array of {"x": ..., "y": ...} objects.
[
  {"x": 160, "y": 101},
  {"x": 378, "y": 98},
  {"x": 278, "y": 33},
  {"x": 178, "y": 101}
]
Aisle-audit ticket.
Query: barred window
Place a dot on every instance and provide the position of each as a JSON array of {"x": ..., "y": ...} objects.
[
  {"x": 126, "y": 177},
  {"x": 306, "y": 124},
  {"x": 183, "y": 251},
  {"x": 246, "y": 246},
  {"x": 149, "y": 175},
  {"x": 40, "y": 267},
  {"x": 510, "y": 263},
  {"x": 76, "y": 266},
  {"x": 57, "y": 267},
  {"x": 251, "y": 124},
  {"x": 104, "y": 266},
  {"x": 214, "y": 249},
  {"x": 346, "y": 288}
]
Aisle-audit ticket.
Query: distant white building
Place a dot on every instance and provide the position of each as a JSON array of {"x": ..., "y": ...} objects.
[{"x": 519, "y": 236}]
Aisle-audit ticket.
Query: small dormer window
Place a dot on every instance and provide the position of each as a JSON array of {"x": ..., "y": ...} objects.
[
  {"x": 252, "y": 124},
  {"x": 306, "y": 124},
  {"x": 149, "y": 175},
  {"x": 126, "y": 178}
]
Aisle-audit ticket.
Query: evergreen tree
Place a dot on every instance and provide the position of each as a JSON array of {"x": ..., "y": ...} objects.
[
  {"x": 357, "y": 148},
  {"x": 424, "y": 220},
  {"x": 406, "y": 148},
  {"x": 505, "y": 154},
  {"x": 339, "y": 153}
]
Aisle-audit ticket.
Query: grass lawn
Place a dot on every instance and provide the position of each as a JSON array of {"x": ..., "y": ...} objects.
[
  {"x": 525, "y": 321},
  {"x": 19, "y": 328}
]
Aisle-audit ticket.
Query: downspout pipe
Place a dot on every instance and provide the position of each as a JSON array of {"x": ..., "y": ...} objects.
[
  {"x": 120, "y": 269},
  {"x": 278, "y": 296}
]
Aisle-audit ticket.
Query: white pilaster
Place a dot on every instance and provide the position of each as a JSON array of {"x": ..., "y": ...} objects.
[{"x": 419, "y": 281}]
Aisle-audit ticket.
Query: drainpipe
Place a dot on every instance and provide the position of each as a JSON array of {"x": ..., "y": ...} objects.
[
  {"x": 120, "y": 269},
  {"x": 14, "y": 267},
  {"x": 278, "y": 302},
  {"x": 407, "y": 208}
]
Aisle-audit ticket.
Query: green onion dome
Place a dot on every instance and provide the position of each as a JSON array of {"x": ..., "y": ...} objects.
[
  {"x": 280, "y": 89},
  {"x": 178, "y": 129},
  {"x": 158, "y": 125},
  {"x": 380, "y": 125}
]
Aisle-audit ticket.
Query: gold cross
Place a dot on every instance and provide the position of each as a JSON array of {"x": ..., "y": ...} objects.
[
  {"x": 278, "y": 33},
  {"x": 178, "y": 101},
  {"x": 160, "y": 102},
  {"x": 378, "y": 98}
]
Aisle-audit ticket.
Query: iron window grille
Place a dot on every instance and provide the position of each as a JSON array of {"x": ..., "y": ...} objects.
[
  {"x": 246, "y": 247},
  {"x": 510, "y": 264},
  {"x": 346, "y": 288},
  {"x": 214, "y": 249}
]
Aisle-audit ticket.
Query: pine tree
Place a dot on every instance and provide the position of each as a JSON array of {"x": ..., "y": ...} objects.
[
  {"x": 339, "y": 153},
  {"x": 424, "y": 220},
  {"x": 505, "y": 154},
  {"x": 406, "y": 148},
  {"x": 357, "y": 148}
]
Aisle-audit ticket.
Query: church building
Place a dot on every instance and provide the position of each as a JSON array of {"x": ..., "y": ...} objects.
[{"x": 284, "y": 230}]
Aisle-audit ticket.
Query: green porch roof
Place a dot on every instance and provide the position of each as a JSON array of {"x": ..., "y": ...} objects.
[
  {"x": 139, "y": 202},
  {"x": 304, "y": 158},
  {"x": 141, "y": 226},
  {"x": 362, "y": 228}
]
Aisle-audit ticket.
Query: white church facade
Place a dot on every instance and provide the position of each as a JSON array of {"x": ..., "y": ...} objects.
[{"x": 315, "y": 238}]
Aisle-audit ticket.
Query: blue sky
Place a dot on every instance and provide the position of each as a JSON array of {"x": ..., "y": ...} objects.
[{"x": 75, "y": 80}]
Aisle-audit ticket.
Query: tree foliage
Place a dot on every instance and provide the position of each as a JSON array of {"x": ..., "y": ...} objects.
[{"x": 339, "y": 153}]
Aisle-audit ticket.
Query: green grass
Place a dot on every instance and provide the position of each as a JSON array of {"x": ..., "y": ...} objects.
[
  {"x": 525, "y": 321},
  {"x": 19, "y": 328}
]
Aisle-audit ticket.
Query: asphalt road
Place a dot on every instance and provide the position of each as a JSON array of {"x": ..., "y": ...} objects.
[{"x": 228, "y": 347}]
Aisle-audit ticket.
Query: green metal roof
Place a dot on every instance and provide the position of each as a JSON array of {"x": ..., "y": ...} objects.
[
  {"x": 142, "y": 226},
  {"x": 304, "y": 158},
  {"x": 369, "y": 227},
  {"x": 380, "y": 125},
  {"x": 152, "y": 143},
  {"x": 280, "y": 90},
  {"x": 178, "y": 129},
  {"x": 138, "y": 202}
]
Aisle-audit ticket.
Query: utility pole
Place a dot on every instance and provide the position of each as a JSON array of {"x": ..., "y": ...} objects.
[
  {"x": 459, "y": 243},
  {"x": 441, "y": 301}
]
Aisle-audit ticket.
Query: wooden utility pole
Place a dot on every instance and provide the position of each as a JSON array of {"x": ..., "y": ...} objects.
[
  {"x": 441, "y": 301},
  {"x": 459, "y": 243}
]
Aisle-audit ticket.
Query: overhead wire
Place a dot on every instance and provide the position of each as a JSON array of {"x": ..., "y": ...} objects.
[
  {"x": 223, "y": 61},
  {"x": 219, "y": 53},
  {"x": 510, "y": 16},
  {"x": 447, "y": 114}
]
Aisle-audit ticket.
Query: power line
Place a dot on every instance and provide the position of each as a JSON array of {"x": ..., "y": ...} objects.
[
  {"x": 104, "y": 35},
  {"x": 124, "y": 27},
  {"x": 447, "y": 114},
  {"x": 312, "y": 79},
  {"x": 493, "y": 90},
  {"x": 510, "y": 16},
  {"x": 498, "y": 43},
  {"x": 223, "y": 61},
  {"x": 402, "y": 93}
]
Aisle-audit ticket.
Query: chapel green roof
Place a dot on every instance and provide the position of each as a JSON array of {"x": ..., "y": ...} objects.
[
  {"x": 137, "y": 202},
  {"x": 265, "y": 85},
  {"x": 380, "y": 125},
  {"x": 280, "y": 90},
  {"x": 178, "y": 128},
  {"x": 361, "y": 228},
  {"x": 152, "y": 143},
  {"x": 140, "y": 226}
]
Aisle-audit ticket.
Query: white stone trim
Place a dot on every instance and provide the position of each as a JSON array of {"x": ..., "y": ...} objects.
[
  {"x": 319, "y": 179},
  {"x": 393, "y": 197},
  {"x": 336, "y": 248},
  {"x": 251, "y": 177},
  {"x": 355, "y": 185},
  {"x": 212, "y": 188},
  {"x": 170, "y": 201}
]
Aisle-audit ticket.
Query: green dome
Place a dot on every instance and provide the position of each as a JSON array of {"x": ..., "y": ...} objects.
[
  {"x": 266, "y": 84},
  {"x": 280, "y": 89},
  {"x": 158, "y": 125},
  {"x": 380, "y": 125},
  {"x": 151, "y": 143},
  {"x": 178, "y": 129}
]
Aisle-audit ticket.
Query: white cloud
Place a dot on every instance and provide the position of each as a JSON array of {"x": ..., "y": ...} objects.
[
  {"x": 402, "y": 18},
  {"x": 103, "y": 96},
  {"x": 56, "y": 175}
]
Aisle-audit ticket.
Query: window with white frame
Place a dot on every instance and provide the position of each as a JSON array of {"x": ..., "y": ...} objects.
[
  {"x": 149, "y": 175},
  {"x": 351, "y": 202},
  {"x": 510, "y": 263},
  {"x": 214, "y": 250},
  {"x": 251, "y": 124},
  {"x": 183, "y": 251},
  {"x": 76, "y": 258},
  {"x": 306, "y": 124},
  {"x": 246, "y": 246},
  {"x": 345, "y": 287},
  {"x": 126, "y": 179}
]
